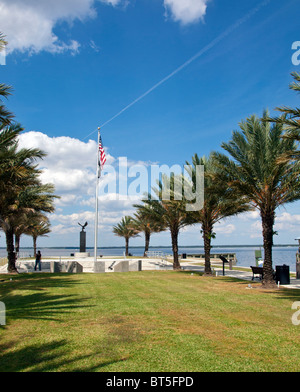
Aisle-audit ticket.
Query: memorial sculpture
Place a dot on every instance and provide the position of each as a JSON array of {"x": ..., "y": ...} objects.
[{"x": 82, "y": 243}]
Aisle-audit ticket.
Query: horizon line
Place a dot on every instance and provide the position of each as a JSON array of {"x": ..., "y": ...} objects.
[{"x": 159, "y": 246}]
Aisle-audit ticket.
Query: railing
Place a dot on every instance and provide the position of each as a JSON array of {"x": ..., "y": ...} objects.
[
  {"x": 21, "y": 255},
  {"x": 228, "y": 256},
  {"x": 24, "y": 255},
  {"x": 152, "y": 254}
]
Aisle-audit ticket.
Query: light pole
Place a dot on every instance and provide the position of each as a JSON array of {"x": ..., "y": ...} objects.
[{"x": 98, "y": 174}]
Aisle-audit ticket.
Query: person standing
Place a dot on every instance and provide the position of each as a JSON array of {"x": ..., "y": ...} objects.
[{"x": 38, "y": 260}]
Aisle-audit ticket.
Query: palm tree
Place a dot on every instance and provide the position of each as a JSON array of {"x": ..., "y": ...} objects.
[
  {"x": 3, "y": 42},
  {"x": 34, "y": 224},
  {"x": 21, "y": 191},
  {"x": 171, "y": 212},
  {"x": 220, "y": 202},
  {"x": 5, "y": 115},
  {"x": 30, "y": 201},
  {"x": 290, "y": 121},
  {"x": 125, "y": 229},
  {"x": 8, "y": 136},
  {"x": 39, "y": 227},
  {"x": 20, "y": 228},
  {"x": 5, "y": 91},
  {"x": 255, "y": 174},
  {"x": 143, "y": 222}
]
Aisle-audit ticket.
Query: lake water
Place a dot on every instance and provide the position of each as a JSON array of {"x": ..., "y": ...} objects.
[{"x": 245, "y": 255}]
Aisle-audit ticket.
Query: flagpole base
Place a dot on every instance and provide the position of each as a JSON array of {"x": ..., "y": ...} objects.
[{"x": 82, "y": 254}]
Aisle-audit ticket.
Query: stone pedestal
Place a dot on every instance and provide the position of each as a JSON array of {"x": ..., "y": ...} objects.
[
  {"x": 99, "y": 267},
  {"x": 82, "y": 254},
  {"x": 82, "y": 242}
]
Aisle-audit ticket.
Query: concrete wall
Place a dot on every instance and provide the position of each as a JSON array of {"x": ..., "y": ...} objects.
[
  {"x": 65, "y": 266},
  {"x": 99, "y": 267},
  {"x": 122, "y": 266}
]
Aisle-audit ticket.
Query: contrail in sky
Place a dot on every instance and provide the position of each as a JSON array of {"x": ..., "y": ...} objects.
[{"x": 188, "y": 62}]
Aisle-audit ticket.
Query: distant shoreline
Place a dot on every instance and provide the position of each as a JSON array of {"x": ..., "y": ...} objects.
[{"x": 164, "y": 246}]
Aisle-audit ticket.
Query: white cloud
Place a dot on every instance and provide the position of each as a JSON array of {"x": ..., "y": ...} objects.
[
  {"x": 94, "y": 46},
  {"x": 63, "y": 229},
  {"x": 65, "y": 200},
  {"x": 223, "y": 228},
  {"x": 68, "y": 223},
  {"x": 70, "y": 165},
  {"x": 250, "y": 215},
  {"x": 256, "y": 229},
  {"x": 287, "y": 221},
  {"x": 73, "y": 219},
  {"x": 284, "y": 222},
  {"x": 28, "y": 24},
  {"x": 186, "y": 11}
]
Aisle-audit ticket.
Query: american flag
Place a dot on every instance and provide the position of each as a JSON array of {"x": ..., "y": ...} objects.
[{"x": 101, "y": 157}]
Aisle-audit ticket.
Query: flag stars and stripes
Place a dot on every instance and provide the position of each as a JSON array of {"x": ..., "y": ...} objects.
[{"x": 102, "y": 157}]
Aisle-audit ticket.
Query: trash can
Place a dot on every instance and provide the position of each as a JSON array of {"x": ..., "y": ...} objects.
[
  {"x": 184, "y": 255},
  {"x": 283, "y": 274}
]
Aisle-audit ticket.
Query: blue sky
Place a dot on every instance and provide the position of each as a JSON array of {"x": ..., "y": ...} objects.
[{"x": 75, "y": 64}]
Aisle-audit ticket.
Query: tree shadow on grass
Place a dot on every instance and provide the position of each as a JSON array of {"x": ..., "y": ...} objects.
[
  {"x": 42, "y": 306},
  {"x": 291, "y": 294},
  {"x": 282, "y": 292},
  {"x": 35, "y": 281},
  {"x": 190, "y": 272},
  {"x": 34, "y": 348},
  {"x": 46, "y": 358},
  {"x": 30, "y": 297}
]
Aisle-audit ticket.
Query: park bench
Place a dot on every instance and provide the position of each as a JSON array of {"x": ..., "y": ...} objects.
[{"x": 257, "y": 271}]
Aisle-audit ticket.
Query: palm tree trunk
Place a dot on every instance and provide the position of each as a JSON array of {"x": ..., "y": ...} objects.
[
  {"x": 176, "y": 263},
  {"x": 17, "y": 243},
  {"x": 147, "y": 241},
  {"x": 34, "y": 245},
  {"x": 267, "y": 225},
  {"x": 11, "y": 256},
  {"x": 207, "y": 231},
  {"x": 126, "y": 246}
]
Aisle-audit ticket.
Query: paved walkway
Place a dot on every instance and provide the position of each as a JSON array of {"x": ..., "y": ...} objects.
[
  {"x": 147, "y": 264},
  {"x": 239, "y": 274}
]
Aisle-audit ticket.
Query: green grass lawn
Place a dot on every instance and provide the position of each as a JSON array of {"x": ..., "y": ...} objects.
[{"x": 145, "y": 321}]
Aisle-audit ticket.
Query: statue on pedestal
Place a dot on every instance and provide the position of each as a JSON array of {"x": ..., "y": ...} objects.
[{"x": 83, "y": 237}]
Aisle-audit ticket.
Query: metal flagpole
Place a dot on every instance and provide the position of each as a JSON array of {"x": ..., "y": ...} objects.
[{"x": 96, "y": 206}]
